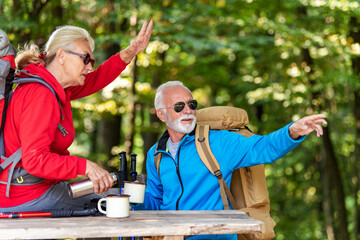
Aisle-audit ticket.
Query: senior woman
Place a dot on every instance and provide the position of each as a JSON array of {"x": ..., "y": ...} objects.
[{"x": 33, "y": 117}]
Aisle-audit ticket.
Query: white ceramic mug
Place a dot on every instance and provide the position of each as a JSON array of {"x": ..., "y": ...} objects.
[
  {"x": 117, "y": 206},
  {"x": 136, "y": 190}
]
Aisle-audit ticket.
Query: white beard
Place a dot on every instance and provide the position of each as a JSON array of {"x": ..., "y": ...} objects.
[{"x": 177, "y": 126}]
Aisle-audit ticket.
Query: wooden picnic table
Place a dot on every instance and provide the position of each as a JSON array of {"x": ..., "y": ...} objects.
[{"x": 171, "y": 224}]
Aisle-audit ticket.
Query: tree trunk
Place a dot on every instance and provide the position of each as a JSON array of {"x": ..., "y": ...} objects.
[
  {"x": 109, "y": 127},
  {"x": 150, "y": 137},
  {"x": 129, "y": 144},
  {"x": 326, "y": 203},
  {"x": 355, "y": 35},
  {"x": 331, "y": 167},
  {"x": 355, "y": 166},
  {"x": 336, "y": 183}
]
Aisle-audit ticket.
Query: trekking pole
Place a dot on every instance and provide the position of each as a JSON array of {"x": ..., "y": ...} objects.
[
  {"x": 122, "y": 170},
  {"x": 133, "y": 173},
  {"x": 51, "y": 213}
]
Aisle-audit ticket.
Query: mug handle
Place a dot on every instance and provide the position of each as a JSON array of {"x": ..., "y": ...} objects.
[{"x": 99, "y": 205}]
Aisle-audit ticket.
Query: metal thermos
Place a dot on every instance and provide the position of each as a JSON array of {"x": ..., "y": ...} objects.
[{"x": 84, "y": 187}]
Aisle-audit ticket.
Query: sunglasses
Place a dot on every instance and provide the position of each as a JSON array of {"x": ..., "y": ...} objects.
[
  {"x": 179, "y": 106},
  {"x": 86, "y": 58}
]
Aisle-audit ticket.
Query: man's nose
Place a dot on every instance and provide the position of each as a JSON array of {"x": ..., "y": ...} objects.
[{"x": 187, "y": 109}]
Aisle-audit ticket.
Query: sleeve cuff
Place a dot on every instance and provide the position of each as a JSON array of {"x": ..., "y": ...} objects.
[
  {"x": 81, "y": 166},
  {"x": 122, "y": 63},
  {"x": 294, "y": 140}
]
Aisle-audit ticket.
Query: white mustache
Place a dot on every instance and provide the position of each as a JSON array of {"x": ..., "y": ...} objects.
[{"x": 187, "y": 116}]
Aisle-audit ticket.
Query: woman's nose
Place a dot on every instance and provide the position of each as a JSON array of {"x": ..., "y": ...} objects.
[{"x": 89, "y": 67}]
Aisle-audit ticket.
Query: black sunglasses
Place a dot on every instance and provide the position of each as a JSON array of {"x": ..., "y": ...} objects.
[
  {"x": 86, "y": 58},
  {"x": 179, "y": 106}
]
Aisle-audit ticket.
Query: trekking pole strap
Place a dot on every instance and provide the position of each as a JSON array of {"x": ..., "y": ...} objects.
[{"x": 208, "y": 158}]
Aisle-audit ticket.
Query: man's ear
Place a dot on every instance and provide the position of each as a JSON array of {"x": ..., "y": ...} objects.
[{"x": 161, "y": 115}]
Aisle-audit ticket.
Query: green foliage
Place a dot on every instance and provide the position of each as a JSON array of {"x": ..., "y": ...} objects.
[{"x": 279, "y": 60}]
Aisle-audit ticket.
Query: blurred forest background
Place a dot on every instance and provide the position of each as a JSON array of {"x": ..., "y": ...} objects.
[{"x": 277, "y": 59}]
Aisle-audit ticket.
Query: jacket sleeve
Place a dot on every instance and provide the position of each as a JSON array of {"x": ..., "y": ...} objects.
[
  {"x": 154, "y": 189},
  {"x": 255, "y": 150},
  {"x": 38, "y": 120},
  {"x": 99, "y": 78}
]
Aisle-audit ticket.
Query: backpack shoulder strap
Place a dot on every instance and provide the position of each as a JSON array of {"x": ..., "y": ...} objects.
[
  {"x": 157, "y": 161},
  {"x": 38, "y": 79},
  {"x": 208, "y": 158}
]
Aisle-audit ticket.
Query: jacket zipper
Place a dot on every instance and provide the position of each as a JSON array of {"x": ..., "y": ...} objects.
[{"x": 178, "y": 173}]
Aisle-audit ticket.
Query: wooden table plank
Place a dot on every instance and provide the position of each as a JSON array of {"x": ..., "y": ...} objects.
[{"x": 140, "y": 223}]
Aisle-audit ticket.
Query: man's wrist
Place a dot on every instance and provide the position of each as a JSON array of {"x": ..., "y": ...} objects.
[{"x": 293, "y": 135}]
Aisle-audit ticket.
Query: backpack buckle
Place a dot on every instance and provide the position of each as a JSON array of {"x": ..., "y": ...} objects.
[
  {"x": 21, "y": 180},
  {"x": 218, "y": 174}
]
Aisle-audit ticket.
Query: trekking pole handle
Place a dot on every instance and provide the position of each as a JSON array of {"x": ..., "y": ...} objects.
[
  {"x": 133, "y": 173},
  {"x": 123, "y": 169},
  {"x": 72, "y": 212}
]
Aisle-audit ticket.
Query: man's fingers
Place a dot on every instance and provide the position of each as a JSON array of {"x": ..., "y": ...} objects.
[
  {"x": 319, "y": 130},
  {"x": 315, "y": 117},
  {"x": 323, "y": 121}
]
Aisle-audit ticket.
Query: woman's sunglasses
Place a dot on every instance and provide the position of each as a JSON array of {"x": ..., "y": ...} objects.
[
  {"x": 179, "y": 106},
  {"x": 86, "y": 58}
]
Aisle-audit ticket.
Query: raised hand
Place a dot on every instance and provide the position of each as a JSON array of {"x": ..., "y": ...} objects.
[
  {"x": 307, "y": 125},
  {"x": 138, "y": 44}
]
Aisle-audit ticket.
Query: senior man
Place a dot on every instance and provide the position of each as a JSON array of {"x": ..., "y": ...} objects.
[{"x": 183, "y": 181}]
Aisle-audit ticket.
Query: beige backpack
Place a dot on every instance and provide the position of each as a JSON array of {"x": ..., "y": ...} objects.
[{"x": 248, "y": 185}]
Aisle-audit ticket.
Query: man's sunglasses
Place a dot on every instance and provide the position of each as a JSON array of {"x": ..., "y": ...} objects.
[
  {"x": 179, "y": 106},
  {"x": 86, "y": 58}
]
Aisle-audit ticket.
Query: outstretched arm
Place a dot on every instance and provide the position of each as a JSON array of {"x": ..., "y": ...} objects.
[
  {"x": 138, "y": 44},
  {"x": 307, "y": 125}
]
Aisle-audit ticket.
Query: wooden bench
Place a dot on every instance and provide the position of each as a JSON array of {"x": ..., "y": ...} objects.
[{"x": 170, "y": 224}]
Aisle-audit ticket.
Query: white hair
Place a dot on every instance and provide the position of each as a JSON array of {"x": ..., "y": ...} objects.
[{"x": 159, "y": 96}]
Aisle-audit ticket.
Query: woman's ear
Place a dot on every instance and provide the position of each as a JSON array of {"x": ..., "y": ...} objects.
[{"x": 60, "y": 55}]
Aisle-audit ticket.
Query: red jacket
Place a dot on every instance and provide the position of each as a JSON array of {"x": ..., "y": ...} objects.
[{"x": 31, "y": 123}]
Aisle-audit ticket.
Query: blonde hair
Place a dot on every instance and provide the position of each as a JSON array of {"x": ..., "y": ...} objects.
[
  {"x": 63, "y": 37},
  {"x": 28, "y": 55}
]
